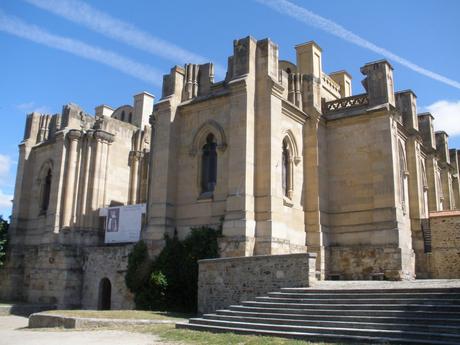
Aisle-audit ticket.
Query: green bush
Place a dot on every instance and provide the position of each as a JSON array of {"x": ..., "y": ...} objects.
[
  {"x": 3, "y": 239},
  {"x": 170, "y": 281}
]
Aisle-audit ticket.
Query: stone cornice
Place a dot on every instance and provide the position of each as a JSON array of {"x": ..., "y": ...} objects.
[
  {"x": 239, "y": 84},
  {"x": 74, "y": 134},
  {"x": 291, "y": 111},
  {"x": 276, "y": 88},
  {"x": 103, "y": 136},
  {"x": 136, "y": 155}
]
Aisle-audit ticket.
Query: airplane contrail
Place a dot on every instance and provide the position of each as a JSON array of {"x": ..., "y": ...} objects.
[
  {"x": 82, "y": 13},
  {"x": 17, "y": 27},
  {"x": 312, "y": 19}
]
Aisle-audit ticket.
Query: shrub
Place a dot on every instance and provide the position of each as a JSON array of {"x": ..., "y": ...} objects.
[
  {"x": 170, "y": 281},
  {"x": 3, "y": 240}
]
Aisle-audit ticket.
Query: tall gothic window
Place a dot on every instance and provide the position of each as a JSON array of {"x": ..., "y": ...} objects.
[
  {"x": 424, "y": 189},
  {"x": 209, "y": 165},
  {"x": 286, "y": 170},
  {"x": 403, "y": 184},
  {"x": 440, "y": 191},
  {"x": 46, "y": 191}
]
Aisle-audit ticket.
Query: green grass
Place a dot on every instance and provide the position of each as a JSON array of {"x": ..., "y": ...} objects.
[
  {"x": 168, "y": 332},
  {"x": 120, "y": 314},
  {"x": 188, "y": 337}
]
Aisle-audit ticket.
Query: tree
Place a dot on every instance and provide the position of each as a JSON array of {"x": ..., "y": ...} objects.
[{"x": 3, "y": 239}]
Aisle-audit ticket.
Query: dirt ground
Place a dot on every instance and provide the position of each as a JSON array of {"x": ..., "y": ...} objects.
[{"x": 13, "y": 331}]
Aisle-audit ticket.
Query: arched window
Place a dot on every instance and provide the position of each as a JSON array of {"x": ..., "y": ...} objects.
[
  {"x": 403, "y": 185},
  {"x": 440, "y": 191},
  {"x": 46, "y": 191},
  {"x": 286, "y": 170},
  {"x": 209, "y": 165},
  {"x": 130, "y": 119},
  {"x": 424, "y": 189},
  {"x": 123, "y": 115}
]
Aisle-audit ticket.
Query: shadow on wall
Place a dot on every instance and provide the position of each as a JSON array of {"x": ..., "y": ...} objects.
[{"x": 23, "y": 309}]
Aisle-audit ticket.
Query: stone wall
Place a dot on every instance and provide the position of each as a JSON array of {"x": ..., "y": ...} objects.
[
  {"x": 368, "y": 263},
  {"x": 106, "y": 262},
  {"x": 445, "y": 237},
  {"x": 226, "y": 281}
]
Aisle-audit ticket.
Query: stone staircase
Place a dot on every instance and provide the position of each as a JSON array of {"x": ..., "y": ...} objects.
[{"x": 390, "y": 315}]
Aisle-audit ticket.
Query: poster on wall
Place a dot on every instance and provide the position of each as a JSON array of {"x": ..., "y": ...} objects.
[{"x": 123, "y": 223}]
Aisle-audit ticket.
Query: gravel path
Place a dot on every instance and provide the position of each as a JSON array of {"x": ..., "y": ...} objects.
[{"x": 12, "y": 332}]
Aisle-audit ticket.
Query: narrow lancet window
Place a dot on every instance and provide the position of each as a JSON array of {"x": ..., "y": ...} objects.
[
  {"x": 286, "y": 170},
  {"x": 209, "y": 165},
  {"x": 403, "y": 184},
  {"x": 46, "y": 192}
]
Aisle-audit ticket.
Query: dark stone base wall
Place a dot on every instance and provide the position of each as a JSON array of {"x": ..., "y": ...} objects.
[
  {"x": 226, "y": 281},
  {"x": 369, "y": 263}
]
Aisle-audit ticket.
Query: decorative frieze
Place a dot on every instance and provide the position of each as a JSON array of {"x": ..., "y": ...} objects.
[{"x": 345, "y": 103}]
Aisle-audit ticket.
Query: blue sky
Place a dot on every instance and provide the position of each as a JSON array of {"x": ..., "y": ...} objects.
[{"x": 102, "y": 63}]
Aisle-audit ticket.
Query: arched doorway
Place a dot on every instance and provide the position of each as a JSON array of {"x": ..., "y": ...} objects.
[{"x": 105, "y": 294}]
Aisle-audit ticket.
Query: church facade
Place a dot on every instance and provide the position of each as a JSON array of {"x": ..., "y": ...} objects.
[{"x": 280, "y": 155}]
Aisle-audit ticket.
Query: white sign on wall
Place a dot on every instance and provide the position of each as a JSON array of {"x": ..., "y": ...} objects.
[{"x": 123, "y": 223}]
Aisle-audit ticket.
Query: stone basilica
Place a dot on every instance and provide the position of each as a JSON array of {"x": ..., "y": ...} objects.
[{"x": 281, "y": 155}]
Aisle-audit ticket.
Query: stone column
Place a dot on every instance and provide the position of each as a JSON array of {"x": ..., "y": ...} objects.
[
  {"x": 433, "y": 192},
  {"x": 162, "y": 182},
  {"x": 135, "y": 157},
  {"x": 85, "y": 178},
  {"x": 69, "y": 194},
  {"x": 313, "y": 223},
  {"x": 446, "y": 180},
  {"x": 102, "y": 140},
  {"x": 17, "y": 211}
]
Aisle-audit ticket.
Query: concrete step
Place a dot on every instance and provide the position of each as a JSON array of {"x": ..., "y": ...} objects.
[
  {"x": 405, "y": 301},
  {"x": 353, "y": 307},
  {"x": 309, "y": 336},
  {"x": 375, "y": 296},
  {"x": 313, "y": 336},
  {"x": 402, "y": 325},
  {"x": 373, "y": 291},
  {"x": 329, "y": 330},
  {"x": 402, "y": 316},
  {"x": 423, "y": 319},
  {"x": 345, "y": 312}
]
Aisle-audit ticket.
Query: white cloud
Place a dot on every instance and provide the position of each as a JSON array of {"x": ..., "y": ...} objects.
[
  {"x": 446, "y": 116},
  {"x": 82, "y": 13},
  {"x": 17, "y": 27},
  {"x": 312, "y": 19},
  {"x": 30, "y": 107},
  {"x": 5, "y": 201},
  {"x": 25, "y": 106},
  {"x": 5, "y": 177},
  {"x": 5, "y": 166}
]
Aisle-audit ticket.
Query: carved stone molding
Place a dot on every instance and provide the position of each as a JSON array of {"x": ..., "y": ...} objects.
[
  {"x": 103, "y": 136},
  {"x": 74, "y": 134},
  {"x": 209, "y": 126}
]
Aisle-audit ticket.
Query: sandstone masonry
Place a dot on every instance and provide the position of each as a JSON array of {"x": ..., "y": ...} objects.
[{"x": 280, "y": 154}]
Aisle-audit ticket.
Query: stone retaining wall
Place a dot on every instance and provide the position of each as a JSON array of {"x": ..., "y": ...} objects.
[
  {"x": 445, "y": 244},
  {"x": 226, "y": 281},
  {"x": 55, "y": 320},
  {"x": 109, "y": 262}
]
